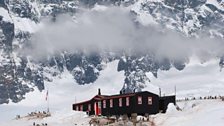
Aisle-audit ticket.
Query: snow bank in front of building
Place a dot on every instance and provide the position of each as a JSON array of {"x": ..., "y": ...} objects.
[
  {"x": 63, "y": 117},
  {"x": 171, "y": 108},
  {"x": 194, "y": 113}
]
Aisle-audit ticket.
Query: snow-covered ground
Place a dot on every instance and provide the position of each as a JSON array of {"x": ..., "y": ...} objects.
[
  {"x": 194, "y": 113},
  {"x": 195, "y": 80},
  {"x": 62, "y": 118}
]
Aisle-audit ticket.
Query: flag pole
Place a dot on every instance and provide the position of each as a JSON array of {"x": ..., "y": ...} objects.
[
  {"x": 48, "y": 109},
  {"x": 47, "y": 99}
]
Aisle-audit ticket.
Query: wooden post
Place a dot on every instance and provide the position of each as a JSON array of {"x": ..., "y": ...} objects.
[
  {"x": 134, "y": 118},
  {"x": 125, "y": 119}
]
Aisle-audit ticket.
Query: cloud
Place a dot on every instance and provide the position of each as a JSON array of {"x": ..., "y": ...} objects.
[{"x": 115, "y": 29}]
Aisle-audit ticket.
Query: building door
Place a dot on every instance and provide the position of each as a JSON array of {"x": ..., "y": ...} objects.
[{"x": 97, "y": 108}]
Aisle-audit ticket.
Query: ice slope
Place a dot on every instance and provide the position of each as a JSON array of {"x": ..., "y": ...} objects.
[
  {"x": 63, "y": 93},
  {"x": 4, "y": 13},
  {"x": 197, "y": 79}
]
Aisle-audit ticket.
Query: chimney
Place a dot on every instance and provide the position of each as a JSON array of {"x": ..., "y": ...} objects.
[
  {"x": 99, "y": 93},
  {"x": 134, "y": 90}
]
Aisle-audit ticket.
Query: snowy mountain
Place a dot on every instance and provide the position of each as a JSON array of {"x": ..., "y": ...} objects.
[{"x": 21, "y": 20}]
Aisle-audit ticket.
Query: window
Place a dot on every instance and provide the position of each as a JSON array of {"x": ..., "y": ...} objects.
[
  {"x": 127, "y": 101},
  {"x": 120, "y": 102},
  {"x": 111, "y": 103},
  {"x": 104, "y": 103},
  {"x": 81, "y": 106},
  {"x": 139, "y": 100},
  {"x": 150, "y": 100},
  {"x": 89, "y": 107},
  {"x": 77, "y": 108},
  {"x": 99, "y": 104}
]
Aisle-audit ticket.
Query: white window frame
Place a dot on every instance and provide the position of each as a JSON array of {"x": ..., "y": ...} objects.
[
  {"x": 140, "y": 100},
  {"x": 77, "y": 108},
  {"x": 99, "y": 104},
  {"x": 104, "y": 104},
  {"x": 89, "y": 107},
  {"x": 111, "y": 103},
  {"x": 120, "y": 102},
  {"x": 127, "y": 101},
  {"x": 149, "y": 100}
]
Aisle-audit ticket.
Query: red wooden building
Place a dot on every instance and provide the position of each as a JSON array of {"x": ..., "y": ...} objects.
[{"x": 140, "y": 102}]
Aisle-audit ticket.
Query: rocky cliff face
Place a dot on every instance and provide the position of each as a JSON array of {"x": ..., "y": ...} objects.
[{"x": 19, "y": 20}]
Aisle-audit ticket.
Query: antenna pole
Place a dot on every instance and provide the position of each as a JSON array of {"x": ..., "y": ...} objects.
[
  {"x": 160, "y": 93},
  {"x": 175, "y": 90}
]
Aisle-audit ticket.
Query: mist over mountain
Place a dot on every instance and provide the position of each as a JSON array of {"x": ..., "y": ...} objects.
[{"x": 40, "y": 39}]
